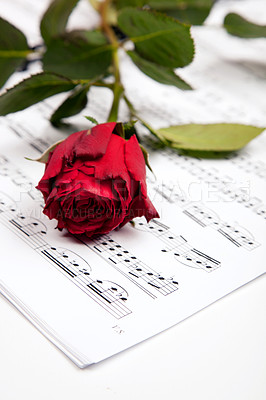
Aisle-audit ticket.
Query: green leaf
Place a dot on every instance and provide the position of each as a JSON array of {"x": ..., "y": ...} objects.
[
  {"x": 91, "y": 119},
  {"x": 95, "y": 37},
  {"x": 129, "y": 3},
  {"x": 205, "y": 154},
  {"x": 32, "y": 90},
  {"x": 13, "y": 50},
  {"x": 45, "y": 155},
  {"x": 55, "y": 18},
  {"x": 158, "y": 72},
  {"x": 157, "y": 38},
  {"x": 78, "y": 55},
  {"x": 212, "y": 137},
  {"x": 71, "y": 106},
  {"x": 238, "y": 26},
  {"x": 192, "y": 12}
]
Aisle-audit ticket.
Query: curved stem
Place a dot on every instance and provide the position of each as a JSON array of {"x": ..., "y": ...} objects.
[
  {"x": 144, "y": 123},
  {"x": 118, "y": 91},
  {"x": 118, "y": 88},
  {"x": 130, "y": 106}
]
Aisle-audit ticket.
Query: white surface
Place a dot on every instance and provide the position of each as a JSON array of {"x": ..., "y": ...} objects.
[
  {"x": 74, "y": 311},
  {"x": 219, "y": 353}
]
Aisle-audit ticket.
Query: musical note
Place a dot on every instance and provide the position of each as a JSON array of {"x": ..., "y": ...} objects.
[
  {"x": 203, "y": 173},
  {"x": 252, "y": 202},
  {"x": 109, "y": 291},
  {"x": 32, "y": 231},
  {"x": 19, "y": 178},
  {"x": 261, "y": 211},
  {"x": 6, "y": 203},
  {"x": 171, "y": 193},
  {"x": 107, "y": 294},
  {"x": 196, "y": 259},
  {"x": 3, "y": 161},
  {"x": 237, "y": 234},
  {"x": 9, "y": 170},
  {"x": 57, "y": 258},
  {"x": 20, "y": 130},
  {"x": 164, "y": 286},
  {"x": 226, "y": 188},
  {"x": 182, "y": 250},
  {"x": 245, "y": 163},
  {"x": 202, "y": 215},
  {"x": 144, "y": 277}
]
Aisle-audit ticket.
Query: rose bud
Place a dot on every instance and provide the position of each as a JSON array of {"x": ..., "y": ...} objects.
[{"x": 95, "y": 181}]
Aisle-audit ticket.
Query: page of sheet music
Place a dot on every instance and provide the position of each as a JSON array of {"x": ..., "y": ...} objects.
[{"x": 95, "y": 298}]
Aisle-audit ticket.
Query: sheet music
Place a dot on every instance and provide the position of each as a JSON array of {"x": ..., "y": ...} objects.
[{"x": 95, "y": 298}]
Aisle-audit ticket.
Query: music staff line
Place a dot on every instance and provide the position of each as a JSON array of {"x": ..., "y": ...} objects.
[
  {"x": 108, "y": 295},
  {"x": 187, "y": 257},
  {"x": 131, "y": 267},
  {"x": 23, "y": 133},
  {"x": 245, "y": 163},
  {"x": 178, "y": 246},
  {"x": 225, "y": 188},
  {"x": 9, "y": 172},
  {"x": 191, "y": 165},
  {"x": 204, "y": 216},
  {"x": 32, "y": 232},
  {"x": 21, "y": 180}
]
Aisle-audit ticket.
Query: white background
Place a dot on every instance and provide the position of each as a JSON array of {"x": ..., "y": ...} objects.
[{"x": 217, "y": 354}]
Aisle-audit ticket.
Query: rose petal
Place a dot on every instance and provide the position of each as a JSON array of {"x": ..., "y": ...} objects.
[
  {"x": 80, "y": 144},
  {"x": 94, "y": 145},
  {"x": 141, "y": 207},
  {"x": 81, "y": 227},
  {"x": 95, "y": 187},
  {"x": 100, "y": 190},
  {"x": 112, "y": 163},
  {"x": 135, "y": 163},
  {"x": 66, "y": 177},
  {"x": 87, "y": 170},
  {"x": 61, "y": 152}
]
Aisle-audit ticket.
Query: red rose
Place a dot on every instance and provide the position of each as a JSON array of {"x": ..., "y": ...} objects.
[{"x": 95, "y": 181}]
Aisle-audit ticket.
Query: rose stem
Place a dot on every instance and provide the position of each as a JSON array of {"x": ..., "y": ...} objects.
[
  {"x": 144, "y": 123},
  {"x": 118, "y": 88}
]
